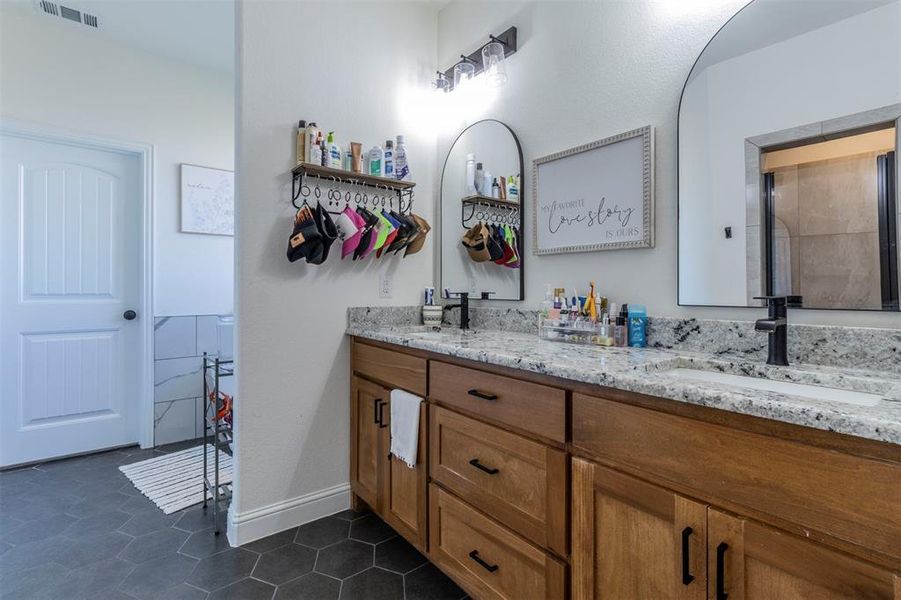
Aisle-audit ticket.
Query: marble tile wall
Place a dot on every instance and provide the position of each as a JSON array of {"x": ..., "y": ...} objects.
[
  {"x": 179, "y": 344},
  {"x": 829, "y": 210}
]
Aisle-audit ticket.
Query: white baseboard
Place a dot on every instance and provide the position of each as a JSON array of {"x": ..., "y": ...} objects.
[{"x": 268, "y": 520}]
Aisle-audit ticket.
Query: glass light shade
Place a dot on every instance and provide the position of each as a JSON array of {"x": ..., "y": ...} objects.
[
  {"x": 463, "y": 72},
  {"x": 493, "y": 63}
]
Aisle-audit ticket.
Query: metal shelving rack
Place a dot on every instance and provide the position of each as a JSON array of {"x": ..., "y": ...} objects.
[{"x": 221, "y": 433}]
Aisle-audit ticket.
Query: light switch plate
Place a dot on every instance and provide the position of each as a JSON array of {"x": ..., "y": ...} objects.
[{"x": 385, "y": 285}]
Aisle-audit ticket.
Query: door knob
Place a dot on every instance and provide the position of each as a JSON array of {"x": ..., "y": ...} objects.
[{"x": 129, "y": 315}]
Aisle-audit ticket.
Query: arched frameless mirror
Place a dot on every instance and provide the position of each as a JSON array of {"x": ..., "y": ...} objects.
[
  {"x": 788, "y": 162},
  {"x": 481, "y": 224}
]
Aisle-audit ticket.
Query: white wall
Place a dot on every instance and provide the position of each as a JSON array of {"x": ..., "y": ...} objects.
[
  {"x": 587, "y": 70},
  {"x": 67, "y": 77},
  {"x": 785, "y": 85},
  {"x": 355, "y": 68}
]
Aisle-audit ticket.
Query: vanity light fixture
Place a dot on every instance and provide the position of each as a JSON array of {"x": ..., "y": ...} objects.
[
  {"x": 490, "y": 59},
  {"x": 463, "y": 71}
]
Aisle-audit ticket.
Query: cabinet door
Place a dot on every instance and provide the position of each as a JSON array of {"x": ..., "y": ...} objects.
[
  {"x": 632, "y": 539},
  {"x": 403, "y": 490},
  {"x": 367, "y": 411},
  {"x": 749, "y": 561}
]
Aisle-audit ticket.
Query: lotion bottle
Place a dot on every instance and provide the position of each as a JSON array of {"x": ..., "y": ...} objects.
[
  {"x": 401, "y": 164},
  {"x": 334, "y": 152},
  {"x": 480, "y": 179},
  {"x": 375, "y": 161}
]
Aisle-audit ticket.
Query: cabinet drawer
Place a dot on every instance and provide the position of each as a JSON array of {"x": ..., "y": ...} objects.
[
  {"x": 489, "y": 560},
  {"x": 519, "y": 482},
  {"x": 531, "y": 407},
  {"x": 395, "y": 369},
  {"x": 851, "y": 498}
]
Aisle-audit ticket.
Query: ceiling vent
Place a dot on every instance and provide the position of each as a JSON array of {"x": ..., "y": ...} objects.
[{"x": 64, "y": 12}]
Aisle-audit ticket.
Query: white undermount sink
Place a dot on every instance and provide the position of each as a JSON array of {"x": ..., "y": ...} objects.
[{"x": 804, "y": 390}]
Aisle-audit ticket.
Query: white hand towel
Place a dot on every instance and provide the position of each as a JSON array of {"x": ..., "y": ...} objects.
[{"x": 405, "y": 426}]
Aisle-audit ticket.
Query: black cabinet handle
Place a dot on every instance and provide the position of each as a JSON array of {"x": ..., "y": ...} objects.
[
  {"x": 474, "y": 555},
  {"x": 129, "y": 315},
  {"x": 375, "y": 411},
  {"x": 475, "y": 462},
  {"x": 687, "y": 577},
  {"x": 382, "y": 423},
  {"x": 720, "y": 571},
  {"x": 482, "y": 395}
]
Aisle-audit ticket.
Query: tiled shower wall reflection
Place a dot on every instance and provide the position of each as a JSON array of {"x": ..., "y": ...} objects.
[{"x": 179, "y": 344}]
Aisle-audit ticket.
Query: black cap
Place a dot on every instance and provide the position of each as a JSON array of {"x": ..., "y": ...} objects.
[
  {"x": 478, "y": 165},
  {"x": 301, "y": 124},
  {"x": 620, "y": 319}
]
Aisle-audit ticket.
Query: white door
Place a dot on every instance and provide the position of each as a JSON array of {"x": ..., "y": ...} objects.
[{"x": 70, "y": 267}]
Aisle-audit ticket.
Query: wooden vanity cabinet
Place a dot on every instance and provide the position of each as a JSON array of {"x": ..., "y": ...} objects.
[
  {"x": 530, "y": 487},
  {"x": 632, "y": 539},
  {"x": 384, "y": 483},
  {"x": 748, "y": 561},
  {"x": 367, "y": 441}
]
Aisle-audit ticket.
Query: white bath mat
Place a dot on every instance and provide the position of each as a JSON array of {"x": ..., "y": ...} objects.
[{"x": 175, "y": 481}]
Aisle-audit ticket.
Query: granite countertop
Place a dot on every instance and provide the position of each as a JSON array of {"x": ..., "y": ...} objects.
[{"x": 649, "y": 371}]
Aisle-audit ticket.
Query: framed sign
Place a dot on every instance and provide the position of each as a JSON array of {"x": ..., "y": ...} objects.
[
  {"x": 207, "y": 200},
  {"x": 598, "y": 196}
]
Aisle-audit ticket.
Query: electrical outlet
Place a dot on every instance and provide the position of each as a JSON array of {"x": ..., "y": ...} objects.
[{"x": 385, "y": 289}]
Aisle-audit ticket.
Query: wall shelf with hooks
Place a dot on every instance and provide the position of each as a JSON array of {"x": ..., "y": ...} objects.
[
  {"x": 305, "y": 175},
  {"x": 489, "y": 201},
  {"x": 349, "y": 177},
  {"x": 491, "y": 210}
]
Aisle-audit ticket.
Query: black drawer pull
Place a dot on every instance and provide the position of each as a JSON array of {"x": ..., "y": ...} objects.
[
  {"x": 474, "y": 555},
  {"x": 482, "y": 395},
  {"x": 720, "y": 571},
  {"x": 687, "y": 577},
  {"x": 475, "y": 462},
  {"x": 375, "y": 411},
  {"x": 382, "y": 423}
]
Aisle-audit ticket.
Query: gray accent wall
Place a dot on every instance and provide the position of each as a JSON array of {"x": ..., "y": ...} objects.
[{"x": 178, "y": 347}]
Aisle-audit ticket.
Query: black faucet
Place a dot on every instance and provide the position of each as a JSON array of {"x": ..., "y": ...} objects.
[
  {"x": 463, "y": 306},
  {"x": 776, "y": 325}
]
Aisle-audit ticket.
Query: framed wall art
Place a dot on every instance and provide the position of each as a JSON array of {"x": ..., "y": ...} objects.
[
  {"x": 207, "y": 200},
  {"x": 597, "y": 196}
]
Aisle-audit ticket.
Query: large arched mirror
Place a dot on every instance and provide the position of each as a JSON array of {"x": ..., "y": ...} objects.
[
  {"x": 788, "y": 162},
  {"x": 481, "y": 213}
]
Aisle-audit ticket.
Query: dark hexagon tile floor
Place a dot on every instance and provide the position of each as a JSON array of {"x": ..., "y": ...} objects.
[{"x": 78, "y": 529}]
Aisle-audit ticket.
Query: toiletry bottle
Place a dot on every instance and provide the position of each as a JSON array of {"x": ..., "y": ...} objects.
[
  {"x": 312, "y": 140},
  {"x": 334, "y": 152},
  {"x": 605, "y": 336},
  {"x": 401, "y": 163},
  {"x": 324, "y": 147},
  {"x": 315, "y": 155},
  {"x": 564, "y": 312},
  {"x": 502, "y": 187},
  {"x": 638, "y": 322},
  {"x": 301, "y": 144},
  {"x": 375, "y": 161},
  {"x": 470, "y": 174},
  {"x": 486, "y": 184},
  {"x": 348, "y": 159},
  {"x": 495, "y": 189},
  {"x": 512, "y": 189},
  {"x": 620, "y": 335},
  {"x": 388, "y": 164},
  {"x": 480, "y": 179},
  {"x": 356, "y": 157},
  {"x": 547, "y": 304}
]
